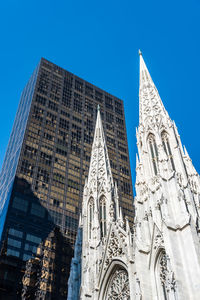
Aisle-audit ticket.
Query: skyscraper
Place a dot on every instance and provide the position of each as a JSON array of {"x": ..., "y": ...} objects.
[{"x": 44, "y": 170}]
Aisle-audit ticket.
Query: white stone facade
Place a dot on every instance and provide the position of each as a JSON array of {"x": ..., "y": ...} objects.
[{"x": 160, "y": 258}]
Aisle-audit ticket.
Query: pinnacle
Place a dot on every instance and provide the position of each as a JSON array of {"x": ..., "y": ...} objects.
[
  {"x": 147, "y": 106},
  {"x": 99, "y": 154},
  {"x": 145, "y": 76}
]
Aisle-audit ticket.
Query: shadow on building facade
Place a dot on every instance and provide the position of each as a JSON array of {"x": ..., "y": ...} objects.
[{"x": 36, "y": 253}]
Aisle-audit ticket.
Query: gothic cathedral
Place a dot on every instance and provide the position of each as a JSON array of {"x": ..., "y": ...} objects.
[{"x": 159, "y": 258}]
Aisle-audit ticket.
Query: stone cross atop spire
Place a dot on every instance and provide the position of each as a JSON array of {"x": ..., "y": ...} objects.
[
  {"x": 151, "y": 107},
  {"x": 100, "y": 170}
]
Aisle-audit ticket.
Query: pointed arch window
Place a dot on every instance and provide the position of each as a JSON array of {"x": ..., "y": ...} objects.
[
  {"x": 167, "y": 148},
  {"x": 165, "y": 281},
  {"x": 154, "y": 152},
  {"x": 102, "y": 208},
  {"x": 118, "y": 285},
  {"x": 91, "y": 216}
]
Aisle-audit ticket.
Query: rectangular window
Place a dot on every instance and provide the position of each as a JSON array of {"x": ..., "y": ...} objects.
[
  {"x": 43, "y": 175},
  {"x": 38, "y": 113},
  {"x": 64, "y": 124},
  {"x": 118, "y": 108},
  {"x": 53, "y": 106},
  {"x": 55, "y": 217},
  {"x": 64, "y": 113},
  {"x": 12, "y": 252},
  {"x": 67, "y": 93},
  {"x": 98, "y": 96},
  {"x": 30, "y": 247},
  {"x": 45, "y": 158},
  {"x": 109, "y": 117},
  {"x": 41, "y": 100},
  {"x": 77, "y": 119},
  {"x": 14, "y": 243},
  {"x": 108, "y": 102},
  {"x": 51, "y": 119},
  {"x": 124, "y": 157},
  {"x": 26, "y": 257},
  {"x": 71, "y": 222},
  {"x": 37, "y": 210},
  {"x": 33, "y": 238},
  {"x": 15, "y": 232},
  {"x": 89, "y": 106},
  {"x": 27, "y": 168},
  {"x": 75, "y": 149},
  {"x": 61, "y": 152},
  {"x": 77, "y": 105},
  {"x": 30, "y": 151},
  {"x": 43, "y": 82},
  {"x": 122, "y": 148},
  {"x": 20, "y": 204},
  {"x": 78, "y": 86},
  {"x": 120, "y": 122},
  {"x": 120, "y": 135},
  {"x": 89, "y": 91}
]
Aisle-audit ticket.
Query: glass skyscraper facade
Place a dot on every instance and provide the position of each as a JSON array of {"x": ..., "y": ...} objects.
[{"x": 43, "y": 175}]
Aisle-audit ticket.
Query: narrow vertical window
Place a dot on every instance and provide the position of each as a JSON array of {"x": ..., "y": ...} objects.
[
  {"x": 166, "y": 146},
  {"x": 103, "y": 217},
  {"x": 154, "y": 152},
  {"x": 91, "y": 215},
  {"x": 166, "y": 283}
]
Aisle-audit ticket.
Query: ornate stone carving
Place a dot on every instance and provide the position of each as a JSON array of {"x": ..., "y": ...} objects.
[
  {"x": 112, "y": 211},
  {"x": 118, "y": 288},
  {"x": 166, "y": 274},
  {"x": 159, "y": 242},
  {"x": 179, "y": 179},
  {"x": 154, "y": 184},
  {"x": 114, "y": 248}
]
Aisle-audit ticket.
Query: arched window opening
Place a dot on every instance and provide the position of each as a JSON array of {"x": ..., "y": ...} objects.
[
  {"x": 166, "y": 284},
  {"x": 103, "y": 217},
  {"x": 91, "y": 215},
  {"x": 118, "y": 286},
  {"x": 167, "y": 148},
  {"x": 154, "y": 152}
]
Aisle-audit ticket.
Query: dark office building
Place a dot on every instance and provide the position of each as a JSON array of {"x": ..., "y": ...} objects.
[{"x": 43, "y": 175}]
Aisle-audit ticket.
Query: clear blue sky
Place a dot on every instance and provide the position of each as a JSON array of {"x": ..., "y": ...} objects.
[{"x": 99, "y": 41}]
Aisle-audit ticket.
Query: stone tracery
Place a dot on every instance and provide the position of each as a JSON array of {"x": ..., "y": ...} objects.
[
  {"x": 167, "y": 278},
  {"x": 114, "y": 248},
  {"x": 119, "y": 286}
]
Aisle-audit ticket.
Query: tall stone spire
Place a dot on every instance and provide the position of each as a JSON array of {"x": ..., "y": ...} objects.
[
  {"x": 167, "y": 195},
  {"x": 99, "y": 196},
  {"x": 99, "y": 170},
  {"x": 145, "y": 76},
  {"x": 151, "y": 107},
  {"x": 100, "y": 210}
]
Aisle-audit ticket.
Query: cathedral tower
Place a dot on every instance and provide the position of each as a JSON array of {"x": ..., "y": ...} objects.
[
  {"x": 102, "y": 240},
  {"x": 167, "y": 202},
  {"x": 160, "y": 258}
]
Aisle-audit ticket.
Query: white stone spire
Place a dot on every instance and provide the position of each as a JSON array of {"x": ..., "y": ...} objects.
[
  {"x": 100, "y": 212},
  {"x": 167, "y": 210},
  {"x": 99, "y": 170},
  {"x": 151, "y": 107},
  {"x": 100, "y": 200},
  {"x": 145, "y": 76}
]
